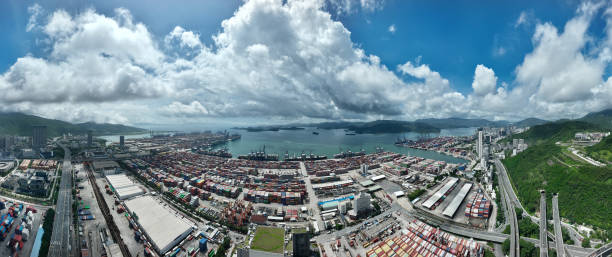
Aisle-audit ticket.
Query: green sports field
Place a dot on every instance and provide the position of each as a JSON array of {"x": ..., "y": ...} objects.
[{"x": 269, "y": 239}]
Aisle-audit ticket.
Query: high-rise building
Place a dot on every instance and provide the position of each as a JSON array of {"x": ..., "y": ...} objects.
[
  {"x": 362, "y": 204},
  {"x": 480, "y": 150},
  {"x": 121, "y": 141},
  {"x": 39, "y": 137},
  {"x": 89, "y": 138},
  {"x": 301, "y": 245}
]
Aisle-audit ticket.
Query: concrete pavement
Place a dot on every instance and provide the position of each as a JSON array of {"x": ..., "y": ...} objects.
[{"x": 61, "y": 244}]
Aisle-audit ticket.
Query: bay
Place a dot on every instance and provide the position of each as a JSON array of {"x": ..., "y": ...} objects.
[{"x": 333, "y": 141}]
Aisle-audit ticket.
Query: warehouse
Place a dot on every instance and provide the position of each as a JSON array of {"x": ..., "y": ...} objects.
[
  {"x": 162, "y": 226},
  {"x": 454, "y": 205},
  {"x": 123, "y": 186},
  {"x": 439, "y": 195},
  {"x": 105, "y": 166}
]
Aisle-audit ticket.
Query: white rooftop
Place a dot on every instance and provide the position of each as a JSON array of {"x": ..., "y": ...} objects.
[
  {"x": 163, "y": 226},
  {"x": 454, "y": 205},
  {"x": 119, "y": 181},
  {"x": 127, "y": 192},
  {"x": 438, "y": 194}
]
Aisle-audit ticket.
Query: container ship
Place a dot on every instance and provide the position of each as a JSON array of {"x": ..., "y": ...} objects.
[
  {"x": 304, "y": 157},
  {"x": 259, "y": 156},
  {"x": 403, "y": 141},
  {"x": 348, "y": 154},
  {"x": 224, "y": 153}
]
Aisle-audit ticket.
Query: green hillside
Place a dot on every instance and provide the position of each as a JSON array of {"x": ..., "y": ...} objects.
[
  {"x": 554, "y": 131},
  {"x": 529, "y": 122},
  {"x": 21, "y": 124},
  {"x": 584, "y": 190},
  {"x": 448, "y": 123},
  {"x": 601, "y": 118},
  {"x": 602, "y": 150}
]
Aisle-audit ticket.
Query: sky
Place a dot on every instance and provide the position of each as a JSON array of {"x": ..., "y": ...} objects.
[{"x": 162, "y": 63}]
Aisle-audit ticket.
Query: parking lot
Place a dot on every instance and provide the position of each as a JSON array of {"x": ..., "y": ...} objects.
[{"x": 36, "y": 222}]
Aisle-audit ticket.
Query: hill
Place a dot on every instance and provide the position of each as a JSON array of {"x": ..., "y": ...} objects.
[
  {"x": 583, "y": 188},
  {"x": 461, "y": 123},
  {"x": 372, "y": 127},
  {"x": 554, "y": 131},
  {"x": 21, "y": 124},
  {"x": 529, "y": 122},
  {"x": 601, "y": 118},
  {"x": 392, "y": 126}
]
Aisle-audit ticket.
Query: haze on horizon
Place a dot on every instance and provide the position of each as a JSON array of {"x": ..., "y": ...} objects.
[{"x": 273, "y": 62}]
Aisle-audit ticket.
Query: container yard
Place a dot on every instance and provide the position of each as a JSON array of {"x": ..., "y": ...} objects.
[
  {"x": 478, "y": 206},
  {"x": 420, "y": 239},
  {"x": 19, "y": 225}
]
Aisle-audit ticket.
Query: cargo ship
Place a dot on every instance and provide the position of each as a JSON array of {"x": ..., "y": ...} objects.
[
  {"x": 224, "y": 153},
  {"x": 304, "y": 157},
  {"x": 348, "y": 154},
  {"x": 259, "y": 156},
  {"x": 403, "y": 141}
]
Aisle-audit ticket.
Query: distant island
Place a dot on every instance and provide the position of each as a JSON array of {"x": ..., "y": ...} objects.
[
  {"x": 15, "y": 123},
  {"x": 268, "y": 128},
  {"x": 432, "y": 125},
  {"x": 373, "y": 127}
]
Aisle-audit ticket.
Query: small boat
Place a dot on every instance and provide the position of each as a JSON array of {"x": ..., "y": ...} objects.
[
  {"x": 315, "y": 133},
  {"x": 350, "y": 134}
]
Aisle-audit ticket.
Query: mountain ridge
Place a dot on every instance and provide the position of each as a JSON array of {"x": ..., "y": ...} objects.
[{"x": 20, "y": 124}]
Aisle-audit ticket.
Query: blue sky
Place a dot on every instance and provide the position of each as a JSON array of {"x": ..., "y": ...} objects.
[
  {"x": 434, "y": 46},
  {"x": 451, "y": 36}
]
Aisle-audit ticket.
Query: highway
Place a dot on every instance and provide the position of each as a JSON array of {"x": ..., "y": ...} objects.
[
  {"x": 61, "y": 243},
  {"x": 510, "y": 203},
  {"x": 557, "y": 224},
  {"x": 543, "y": 226},
  {"x": 603, "y": 251}
]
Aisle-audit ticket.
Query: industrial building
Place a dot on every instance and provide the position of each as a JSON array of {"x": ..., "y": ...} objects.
[
  {"x": 105, "y": 167},
  {"x": 454, "y": 205},
  {"x": 164, "y": 227},
  {"x": 123, "y": 186}
]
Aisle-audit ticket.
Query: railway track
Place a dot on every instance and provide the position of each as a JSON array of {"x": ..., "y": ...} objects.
[{"x": 114, "y": 230}]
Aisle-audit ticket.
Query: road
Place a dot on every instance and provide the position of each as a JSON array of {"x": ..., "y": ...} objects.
[
  {"x": 603, "y": 251},
  {"x": 543, "y": 226},
  {"x": 557, "y": 224},
  {"x": 61, "y": 243},
  {"x": 510, "y": 203}
]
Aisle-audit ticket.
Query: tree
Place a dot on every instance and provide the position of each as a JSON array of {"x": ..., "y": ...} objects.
[
  {"x": 506, "y": 246},
  {"x": 586, "y": 242}
]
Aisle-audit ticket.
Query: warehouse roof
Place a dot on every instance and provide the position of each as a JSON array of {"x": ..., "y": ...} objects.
[
  {"x": 119, "y": 181},
  {"x": 162, "y": 225},
  {"x": 452, "y": 207},
  {"x": 105, "y": 165},
  {"x": 379, "y": 177},
  {"x": 366, "y": 183},
  {"x": 127, "y": 192},
  {"x": 438, "y": 194}
]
